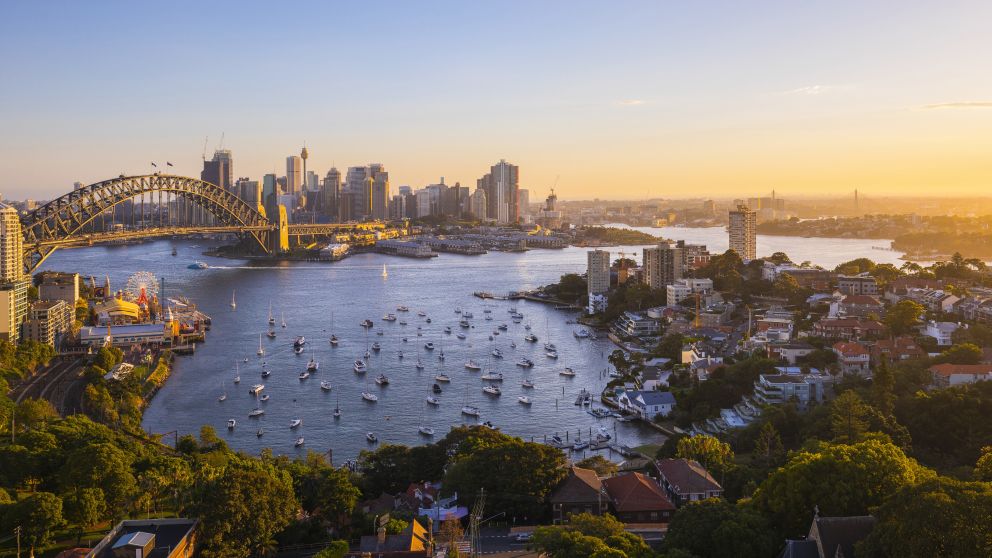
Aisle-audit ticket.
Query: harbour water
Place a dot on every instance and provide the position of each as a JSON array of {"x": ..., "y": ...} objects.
[{"x": 308, "y": 294}]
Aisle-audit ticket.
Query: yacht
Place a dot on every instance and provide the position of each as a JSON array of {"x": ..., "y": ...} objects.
[
  {"x": 371, "y": 437},
  {"x": 360, "y": 367},
  {"x": 442, "y": 377},
  {"x": 420, "y": 364},
  {"x": 256, "y": 389},
  {"x": 464, "y": 323},
  {"x": 472, "y": 365},
  {"x": 295, "y": 423},
  {"x": 567, "y": 372},
  {"x": 525, "y": 363},
  {"x": 431, "y": 400},
  {"x": 264, "y": 398},
  {"x": 429, "y": 346},
  {"x": 304, "y": 375},
  {"x": 272, "y": 320},
  {"x": 550, "y": 347},
  {"x": 298, "y": 350},
  {"x": 527, "y": 384},
  {"x": 492, "y": 376},
  {"x": 299, "y": 442},
  {"x": 198, "y": 265},
  {"x": 266, "y": 373},
  {"x": 382, "y": 380},
  {"x": 325, "y": 385},
  {"x": 467, "y": 314},
  {"x": 234, "y": 303},
  {"x": 259, "y": 433},
  {"x": 389, "y": 318},
  {"x": 531, "y": 338},
  {"x": 313, "y": 365},
  {"x": 461, "y": 336},
  {"x": 376, "y": 346},
  {"x": 256, "y": 412},
  {"x": 492, "y": 389},
  {"x": 231, "y": 423},
  {"x": 402, "y": 309},
  {"x": 502, "y": 327},
  {"x": 426, "y": 430},
  {"x": 447, "y": 329},
  {"x": 369, "y": 396},
  {"x": 300, "y": 341},
  {"x": 580, "y": 445},
  {"x": 469, "y": 410},
  {"x": 260, "y": 350},
  {"x": 551, "y": 353},
  {"x": 581, "y": 334},
  {"x": 436, "y": 388},
  {"x": 271, "y": 334},
  {"x": 497, "y": 353},
  {"x": 524, "y": 400},
  {"x": 366, "y": 323}
]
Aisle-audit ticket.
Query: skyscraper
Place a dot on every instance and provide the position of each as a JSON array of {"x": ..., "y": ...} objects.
[
  {"x": 662, "y": 265},
  {"x": 331, "y": 191},
  {"x": 13, "y": 281},
  {"x": 270, "y": 193},
  {"x": 598, "y": 271},
  {"x": 220, "y": 170},
  {"x": 480, "y": 206},
  {"x": 294, "y": 174},
  {"x": 380, "y": 191},
  {"x": 501, "y": 185},
  {"x": 743, "y": 225},
  {"x": 250, "y": 191}
]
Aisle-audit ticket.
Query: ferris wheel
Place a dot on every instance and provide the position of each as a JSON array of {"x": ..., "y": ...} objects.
[{"x": 142, "y": 287}]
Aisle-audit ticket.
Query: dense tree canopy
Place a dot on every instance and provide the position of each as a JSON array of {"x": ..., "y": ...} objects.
[{"x": 715, "y": 528}]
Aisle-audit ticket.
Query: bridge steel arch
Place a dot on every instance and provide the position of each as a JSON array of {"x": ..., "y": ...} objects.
[{"x": 62, "y": 220}]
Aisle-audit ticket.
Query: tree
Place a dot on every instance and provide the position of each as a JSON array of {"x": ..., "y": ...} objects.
[
  {"x": 603, "y": 467},
  {"x": 903, "y": 316},
  {"x": 105, "y": 466},
  {"x": 449, "y": 534},
  {"x": 940, "y": 517},
  {"x": 983, "y": 469},
  {"x": 768, "y": 447},
  {"x": 336, "y": 549},
  {"x": 839, "y": 479},
  {"x": 243, "y": 508},
  {"x": 715, "y": 528},
  {"x": 590, "y": 535},
  {"x": 882, "y": 384},
  {"x": 84, "y": 508},
  {"x": 39, "y": 515},
  {"x": 964, "y": 353},
  {"x": 337, "y": 495},
  {"x": 855, "y": 266},
  {"x": 707, "y": 450},
  {"x": 396, "y": 526},
  {"x": 34, "y": 413},
  {"x": 848, "y": 417}
]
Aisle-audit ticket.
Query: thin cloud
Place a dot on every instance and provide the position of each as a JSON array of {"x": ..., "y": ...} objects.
[
  {"x": 631, "y": 102},
  {"x": 807, "y": 90},
  {"x": 960, "y": 105}
]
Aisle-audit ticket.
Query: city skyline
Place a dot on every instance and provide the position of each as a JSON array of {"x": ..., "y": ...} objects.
[{"x": 647, "y": 101}]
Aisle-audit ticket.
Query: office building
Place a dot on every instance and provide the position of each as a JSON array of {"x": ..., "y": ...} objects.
[
  {"x": 294, "y": 174},
  {"x": 250, "y": 191},
  {"x": 331, "y": 191},
  {"x": 598, "y": 271},
  {"x": 480, "y": 206},
  {"x": 743, "y": 232},
  {"x": 662, "y": 265},
  {"x": 523, "y": 202},
  {"x": 219, "y": 170},
  {"x": 502, "y": 185},
  {"x": 380, "y": 192}
]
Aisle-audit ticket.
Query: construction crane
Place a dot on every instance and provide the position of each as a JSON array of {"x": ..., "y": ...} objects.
[{"x": 205, "y": 140}]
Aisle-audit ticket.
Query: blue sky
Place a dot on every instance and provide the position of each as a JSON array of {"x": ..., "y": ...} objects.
[{"x": 619, "y": 99}]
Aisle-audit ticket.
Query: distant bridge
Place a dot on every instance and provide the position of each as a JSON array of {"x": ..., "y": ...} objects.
[{"x": 191, "y": 206}]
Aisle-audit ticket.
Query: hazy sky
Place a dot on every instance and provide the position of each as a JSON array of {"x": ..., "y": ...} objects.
[{"x": 621, "y": 99}]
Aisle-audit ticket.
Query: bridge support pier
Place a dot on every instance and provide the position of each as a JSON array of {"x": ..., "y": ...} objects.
[{"x": 280, "y": 236}]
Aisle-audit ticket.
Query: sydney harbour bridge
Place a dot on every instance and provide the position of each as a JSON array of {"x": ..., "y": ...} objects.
[{"x": 191, "y": 206}]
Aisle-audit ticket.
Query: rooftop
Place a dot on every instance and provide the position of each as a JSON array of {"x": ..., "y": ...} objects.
[
  {"x": 687, "y": 476},
  {"x": 169, "y": 534},
  {"x": 634, "y": 492},
  {"x": 948, "y": 369},
  {"x": 581, "y": 485}
]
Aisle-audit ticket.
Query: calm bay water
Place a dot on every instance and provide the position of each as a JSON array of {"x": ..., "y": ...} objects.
[{"x": 307, "y": 294}]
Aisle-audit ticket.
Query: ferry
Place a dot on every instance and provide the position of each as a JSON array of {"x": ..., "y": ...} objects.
[
  {"x": 442, "y": 377},
  {"x": 472, "y": 365},
  {"x": 325, "y": 385},
  {"x": 256, "y": 412},
  {"x": 493, "y": 376},
  {"x": 256, "y": 389},
  {"x": 389, "y": 318},
  {"x": 360, "y": 367},
  {"x": 198, "y": 265},
  {"x": 470, "y": 411},
  {"x": 295, "y": 423},
  {"x": 492, "y": 389}
]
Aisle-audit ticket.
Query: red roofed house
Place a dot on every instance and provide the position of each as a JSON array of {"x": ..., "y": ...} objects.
[
  {"x": 947, "y": 375},
  {"x": 852, "y": 357},
  {"x": 580, "y": 492},
  {"x": 900, "y": 348},
  {"x": 848, "y": 328},
  {"x": 687, "y": 481},
  {"x": 637, "y": 498}
]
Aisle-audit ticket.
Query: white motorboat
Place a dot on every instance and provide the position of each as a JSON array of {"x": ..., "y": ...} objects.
[
  {"x": 313, "y": 365},
  {"x": 325, "y": 385},
  {"x": 299, "y": 341},
  {"x": 389, "y": 318},
  {"x": 334, "y": 340},
  {"x": 492, "y": 389},
  {"x": 222, "y": 397},
  {"x": 431, "y": 400},
  {"x": 492, "y": 376},
  {"x": 581, "y": 334},
  {"x": 299, "y": 442},
  {"x": 551, "y": 354},
  {"x": 376, "y": 347},
  {"x": 259, "y": 432},
  {"x": 464, "y": 323},
  {"x": 298, "y": 350},
  {"x": 366, "y": 323},
  {"x": 524, "y": 400},
  {"x": 527, "y": 384},
  {"x": 472, "y": 365},
  {"x": 531, "y": 338},
  {"x": 231, "y": 423},
  {"x": 256, "y": 389},
  {"x": 447, "y": 329},
  {"x": 295, "y": 423},
  {"x": 402, "y": 309},
  {"x": 256, "y": 412},
  {"x": 502, "y": 327},
  {"x": 426, "y": 430},
  {"x": 369, "y": 396},
  {"x": 567, "y": 372},
  {"x": 467, "y": 314},
  {"x": 469, "y": 410},
  {"x": 442, "y": 378},
  {"x": 461, "y": 336},
  {"x": 382, "y": 380},
  {"x": 525, "y": 363},
  {"x": 497, "y": 353},
  {"x": 271, "y": 334},
  {"x": 304, "y": 375},
  {"x": 580, "y": 445},
  {"x": 266, "y": 373},
  {"x": 371, "y": 437},
  {"x": 264, "y": 398},
  {"x": 360, "y": 367},
  {"x": 604, "y": 434},
  {"x": 429, "y": 346},
  {"x": 421, "y": 313},
  {"x": 550, "y": 347},
  {"x": 237, "y": 379}
]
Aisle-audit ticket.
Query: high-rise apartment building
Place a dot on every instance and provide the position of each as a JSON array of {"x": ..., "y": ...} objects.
[
  {"x": 523, "y": 202},
  {"x": 330, "y": 192},
  {"x": 14, "y": 282},
  {"x": 502, "y": 185},
  {"x": 598, "y": 271},
  {"x": 743, "y": 232},
  {"x": 294, "y": 174},
  {"x": 480, "y": 205},
  {"x": 380, "y": 191},
  {"x": 662, "y": 265},
  {"x": 250, "y": 191}
]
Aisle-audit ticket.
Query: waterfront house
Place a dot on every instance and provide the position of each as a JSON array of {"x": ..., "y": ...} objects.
[
  {"x": 791, "y": 384},
  {"x": 686, "y": 480},
  {"x": 831, "y": 537},
  {"x": 949, "y": 375},
  {"x": 633, "y": 324},
  {"x": 580, "y": 492},
  {"x": 646, "y": 404},
  {"x": 852, "y": 357},
  {"x": 148, "y": 538},
  {"x": 637, "y": 498}
]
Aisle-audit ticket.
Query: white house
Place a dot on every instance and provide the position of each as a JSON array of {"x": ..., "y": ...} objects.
[
  {"x": 647, "y": 404},
  {"x": 941, "y": 331}
]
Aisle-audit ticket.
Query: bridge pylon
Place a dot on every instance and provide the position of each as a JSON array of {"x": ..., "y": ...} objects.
[{"x": 280, "y": 236}]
